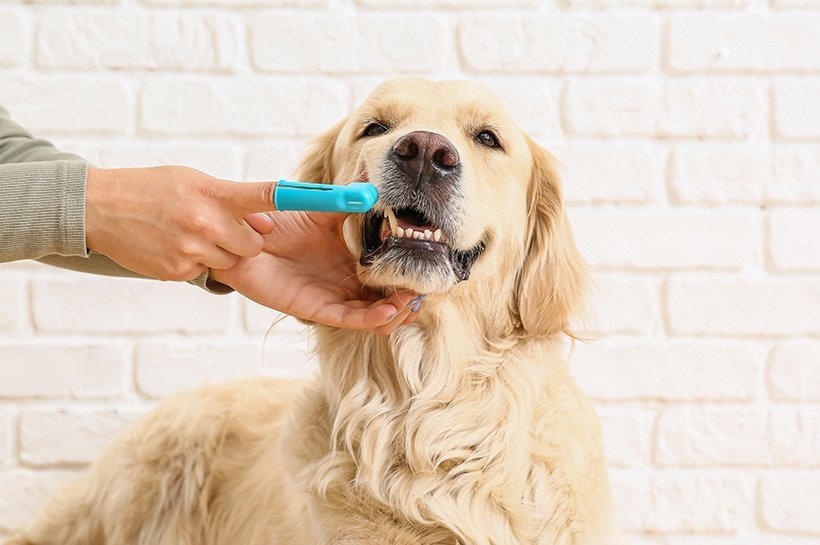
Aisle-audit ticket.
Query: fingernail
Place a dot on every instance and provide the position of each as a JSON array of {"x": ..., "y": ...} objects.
[{"x": 416, "y": 304}]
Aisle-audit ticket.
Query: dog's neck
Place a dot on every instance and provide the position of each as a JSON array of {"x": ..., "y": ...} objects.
[{"x": 417, "y": 418}]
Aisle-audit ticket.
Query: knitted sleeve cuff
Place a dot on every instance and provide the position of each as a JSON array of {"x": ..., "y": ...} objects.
[{"x": 42, "y": 209}]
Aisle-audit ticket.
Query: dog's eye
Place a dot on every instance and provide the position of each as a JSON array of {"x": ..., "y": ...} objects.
[
  {"x": 487, "y": 138},
  {"x": 374, "y": 129}
]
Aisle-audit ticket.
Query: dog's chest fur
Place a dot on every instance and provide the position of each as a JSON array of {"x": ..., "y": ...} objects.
[{"x": 433, "y": 440}]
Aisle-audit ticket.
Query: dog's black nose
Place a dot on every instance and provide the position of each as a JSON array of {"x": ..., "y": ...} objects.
[{"x": 425, "y": 154}]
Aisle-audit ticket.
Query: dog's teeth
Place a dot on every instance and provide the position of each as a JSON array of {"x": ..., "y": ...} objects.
[
  {"x": 437, "y": 235},
  {"x": 391, "y": 217},
  {"x": 427, "y": 234},
  {"x": 419, "y": 235},
  {"x": 408, "y": 232},
  {"x": 399, "y": 232}
]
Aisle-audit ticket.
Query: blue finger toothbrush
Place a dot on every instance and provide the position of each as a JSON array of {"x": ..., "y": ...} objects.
[{"x": 356, "y": 197}]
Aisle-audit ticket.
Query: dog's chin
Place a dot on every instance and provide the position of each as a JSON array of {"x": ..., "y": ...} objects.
[
  {"x": 424, "y": 263},
  {"x": 401, "y": 266}
]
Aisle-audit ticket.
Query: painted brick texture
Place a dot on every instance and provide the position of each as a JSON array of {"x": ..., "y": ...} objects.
[{"x": 689, "y": 137}]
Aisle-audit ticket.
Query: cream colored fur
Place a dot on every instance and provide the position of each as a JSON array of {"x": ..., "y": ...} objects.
[{"x": 462, "y": 428}]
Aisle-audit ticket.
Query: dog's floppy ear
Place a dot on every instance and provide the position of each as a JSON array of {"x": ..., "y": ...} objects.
[
  {"x": 552, "y": 279},
  {"x": 316, "y": 164}
]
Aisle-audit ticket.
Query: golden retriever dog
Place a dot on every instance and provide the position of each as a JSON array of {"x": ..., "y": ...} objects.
[{"x": 463, "y": 427}]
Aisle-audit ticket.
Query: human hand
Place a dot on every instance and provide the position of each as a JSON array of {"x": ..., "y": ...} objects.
[
  {"x": 307, "y": 271},
  {"x": 172, "y": 223}
]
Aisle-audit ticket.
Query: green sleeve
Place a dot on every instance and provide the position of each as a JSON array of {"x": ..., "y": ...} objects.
[{"x": 42, "y": 207}]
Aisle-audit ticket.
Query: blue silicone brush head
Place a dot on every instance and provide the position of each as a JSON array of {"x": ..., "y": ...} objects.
[{"x": 355, "y": 197}]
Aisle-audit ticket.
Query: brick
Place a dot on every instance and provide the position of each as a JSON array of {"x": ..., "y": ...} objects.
[
  {"x": 794, "y": 372},
  {"x": 668, "y": 240},
  {"x": 13, "y": 295},
  {"x": 242, "y": 106},
  {"x": 600, "y": 173},
  {"x": 796, "y": 174},
  {"x": 797, "y": 108},
  {"x": 744, "y": 306},
  {"x": 712, "y": 436},
  {"x": 361, "y": 86},
  {"x": 532, "y": 102},
  {"x": 626, "y": 107},
  {"x": 274, "y": 161},
  {"x": 716, "y": 173},
  {"x": 6, "y": 439},
  {"x": 24, "y": 494},
  {"x": 68, "y": 104},
  {"x": 80, "y": 146},
  {"x": 710, "y": 503},
  {"x": 793, "y": 240},
  {"x": 559, "y": 44},
  {"x": 743, "y": 538},
  {"x": 668, "y": 372},
  {"x": 73, "y": 1},
  {"x": 286, "y": 350},
  {"x": 120, "y": 305},
  {"x": 56, "y": 369},
  {"x": 627, "y": 435},
  {"x": 621, "y": 304},
  {"x": 241, "y": 3},
  {"x": 631, "y": 493},
  {"x": 289, "y": 355},
  {"x": 683, "y": 502},
  {"x": 163, "y": 367},
  {"x": 119, "y": 40},
  {"x": 789, "y": 503},
  {"x": 802, "y": 4},
  {"x": 684, "y": 4},
  {"x": 412, "y": 4},
  {"x": 759, "y": 43},
  {"x": 12, "y": 38},
  {"x": 615, "y": 107},
  {"x": 221, "y": 161},
  {"x": 794, "y": 435},
  {"x": 50, "y": 438},
  {"x": 309, "y": 43}
]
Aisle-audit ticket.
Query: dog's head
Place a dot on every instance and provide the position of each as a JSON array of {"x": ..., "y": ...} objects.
[{"x": 465, "y": 199}]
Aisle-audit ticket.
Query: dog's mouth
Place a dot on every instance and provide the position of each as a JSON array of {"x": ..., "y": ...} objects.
[{"x": 414, "y": 243}]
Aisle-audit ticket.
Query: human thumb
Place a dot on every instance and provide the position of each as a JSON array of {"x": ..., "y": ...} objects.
[{"x": 250, "y": 197}]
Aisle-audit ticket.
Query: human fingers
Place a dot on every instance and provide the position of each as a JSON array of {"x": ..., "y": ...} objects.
[
  {"x": 352, "y": 315},
  {"x": 218, "y": 258},
  {"x": 246, "y": 198},
  {"x": 239, "y": 238},
  {"x": 408, "y": 305},
  {"x": 262, "y": 223}
]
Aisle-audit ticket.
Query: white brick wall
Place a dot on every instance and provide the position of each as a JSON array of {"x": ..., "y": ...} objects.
[{"x": 689, "y": 132}]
